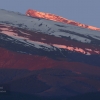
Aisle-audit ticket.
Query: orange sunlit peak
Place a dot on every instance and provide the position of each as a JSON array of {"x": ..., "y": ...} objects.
[{"x": 34, "y": 13}]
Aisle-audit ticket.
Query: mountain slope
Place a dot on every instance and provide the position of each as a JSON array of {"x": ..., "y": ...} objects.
[
  {"x": 64, "y": 53},
  {"x": 35, "y": 36}
]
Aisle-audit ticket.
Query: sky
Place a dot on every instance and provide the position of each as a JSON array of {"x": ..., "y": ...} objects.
[{"x": 83, "y": 11}]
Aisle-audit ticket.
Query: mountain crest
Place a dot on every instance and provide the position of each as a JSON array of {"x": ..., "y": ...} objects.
[{"x": 34, "y": 13}]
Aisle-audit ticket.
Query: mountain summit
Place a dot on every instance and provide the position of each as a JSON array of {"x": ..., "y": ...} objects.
[
  {"x": 47, "y": 56},
  {"x": 57, "y": 18}
]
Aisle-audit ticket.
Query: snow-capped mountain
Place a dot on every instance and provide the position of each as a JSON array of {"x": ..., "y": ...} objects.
[
  {"x": 44, "y": 37},
  {"x": 38, "y": 41}
]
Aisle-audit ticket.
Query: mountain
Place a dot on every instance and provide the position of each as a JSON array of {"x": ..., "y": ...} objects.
[{"x": 48, "y": 56}]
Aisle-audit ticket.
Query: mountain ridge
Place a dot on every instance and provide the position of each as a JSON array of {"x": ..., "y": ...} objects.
[{"x": 57, "y": 18}]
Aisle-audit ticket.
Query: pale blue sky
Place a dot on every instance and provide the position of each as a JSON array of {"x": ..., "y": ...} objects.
[{"x": 84, "y": 11}]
